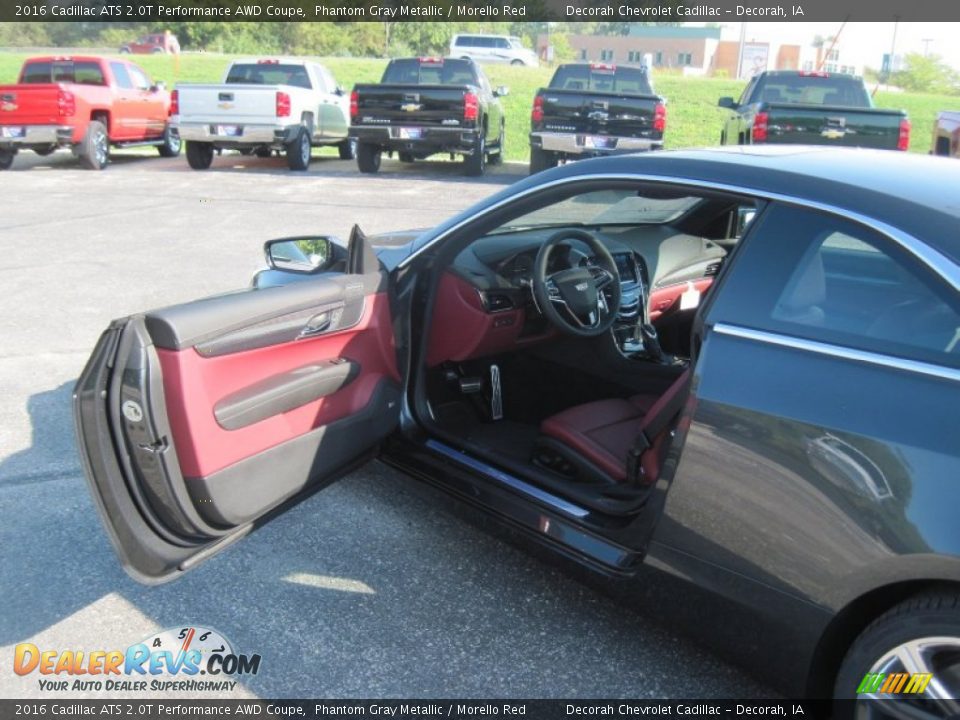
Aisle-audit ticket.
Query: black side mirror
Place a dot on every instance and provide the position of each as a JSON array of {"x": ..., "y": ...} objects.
[
  {"x": 727, "y": 102},
  {"x": 501, "y": 91},
  {"x": 300, "y": 254},
  {"x": 338, "y": 90}
]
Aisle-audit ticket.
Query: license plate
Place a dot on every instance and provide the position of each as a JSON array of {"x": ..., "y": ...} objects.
[
  {"x": 411, "y": 133},
  {"x": 598, "y": 142},
  {"x": 229, "y": 130},
  {"x": 12, "y": 132}
]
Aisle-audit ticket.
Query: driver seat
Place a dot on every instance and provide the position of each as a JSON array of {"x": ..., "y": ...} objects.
[{"x": 601, "y": 435}]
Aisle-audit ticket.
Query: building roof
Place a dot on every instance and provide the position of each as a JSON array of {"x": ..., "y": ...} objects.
[{"x": 674, "y": 32}]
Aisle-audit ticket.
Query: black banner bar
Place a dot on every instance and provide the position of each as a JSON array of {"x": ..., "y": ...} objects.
[{"x": 477, "y": 10}]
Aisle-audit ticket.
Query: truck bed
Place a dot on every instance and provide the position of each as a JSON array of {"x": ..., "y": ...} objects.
[
  {"x": 832, "y": 125},
  {"x": 417, "y": 105}
]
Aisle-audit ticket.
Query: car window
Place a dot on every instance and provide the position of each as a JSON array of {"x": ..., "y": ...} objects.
[
  {"x": 824, "y": 278},
  {"x": 813, "y": 90},
  {"x": 429, "y": 71},
  {"x": 268, "y": 73},
  {"x": 603, "y": 78},
  {"x": 121, "y": 76},
  {"x": 502, "y": 43},
  {"x": 83, "y": 72},
  {"x": 140, "y": 81}
]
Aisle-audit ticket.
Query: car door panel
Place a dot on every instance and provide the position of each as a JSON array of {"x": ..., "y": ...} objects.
[{"x": 198, "y": 420}]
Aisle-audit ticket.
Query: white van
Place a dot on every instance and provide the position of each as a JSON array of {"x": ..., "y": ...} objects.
[{"x": 492, "y": 48}]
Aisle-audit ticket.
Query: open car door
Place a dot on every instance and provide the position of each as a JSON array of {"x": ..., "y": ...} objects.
[{"x": 195, "y": 422}]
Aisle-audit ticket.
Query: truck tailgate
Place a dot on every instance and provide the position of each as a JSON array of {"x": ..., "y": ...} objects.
[
  {"x": 29, "y": 105},
  {"x": 833, "y": 125},
  {"x": 236, "y": 104},
  {"x": 421, "y": 105},
  {"x": 598, "y": 113}
]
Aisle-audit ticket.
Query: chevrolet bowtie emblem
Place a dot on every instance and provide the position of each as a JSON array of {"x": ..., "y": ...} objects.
[
  {"x": 8, "y": 106},
  {"x": 833, "y": 133},
  {"x": 225, "y": 105},
  {"x": 411, "y": 107}
]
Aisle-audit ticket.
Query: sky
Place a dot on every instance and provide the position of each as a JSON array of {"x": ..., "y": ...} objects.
[{"x": 868, "y": 41}]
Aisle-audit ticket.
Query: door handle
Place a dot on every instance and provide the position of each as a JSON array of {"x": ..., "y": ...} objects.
[{"x": 315, "y": 326}]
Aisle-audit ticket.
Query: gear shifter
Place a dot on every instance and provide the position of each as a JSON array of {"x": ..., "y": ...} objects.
[{"x": 651, "y": 343}]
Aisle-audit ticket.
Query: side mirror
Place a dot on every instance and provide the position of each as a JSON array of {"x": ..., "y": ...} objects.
[
  {"x": 727, "y": 102},
  {"x": 744, "y": 216},
  {"x": 158, "y": 86},
  {"x": 501, "y": 91},
  {"x": 338, "y": 90},
  {"x": 299, "y": 255}
]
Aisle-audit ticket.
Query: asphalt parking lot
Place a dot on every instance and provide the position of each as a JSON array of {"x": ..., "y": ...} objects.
[{"x": 364, "y": 590}]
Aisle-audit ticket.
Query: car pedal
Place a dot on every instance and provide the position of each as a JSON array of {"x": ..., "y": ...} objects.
[
  {"x": 496, "y": 393},
  {"x": 471, "y": 385}
]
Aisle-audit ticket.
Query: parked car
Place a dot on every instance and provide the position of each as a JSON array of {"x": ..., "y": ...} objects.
[
  {"x": 154, "y": 44},
  {"x": 784, "y": 462},
  {"x": 262, "y": 106},
  {"x": 493, "y": 49},
  {"x": 594, "y": 109},
  {"x": 85, "y": 104},
  {"x": 946, "y": 134},
  {"x": 813, "y": 108},
  {"x": 428, "y": 105}
]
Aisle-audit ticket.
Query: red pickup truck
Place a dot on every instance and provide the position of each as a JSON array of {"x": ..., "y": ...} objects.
[{"x": 85, "y": 104}]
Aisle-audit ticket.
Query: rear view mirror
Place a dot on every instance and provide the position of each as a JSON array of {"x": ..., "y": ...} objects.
[
  {"x": 501, "y": 91},
  {"x": 727, "y": 102},
  {"x": 300, "y": 254}
]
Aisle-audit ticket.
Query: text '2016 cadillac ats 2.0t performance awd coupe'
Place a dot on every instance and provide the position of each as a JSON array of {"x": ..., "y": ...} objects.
[{"x": 731, "y": 373}]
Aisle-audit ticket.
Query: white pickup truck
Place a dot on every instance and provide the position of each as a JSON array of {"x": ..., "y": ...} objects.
[{"x": 263, "y": 105}]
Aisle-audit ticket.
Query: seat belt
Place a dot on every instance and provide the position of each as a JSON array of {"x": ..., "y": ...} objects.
[{"x": 660, "y": 417}]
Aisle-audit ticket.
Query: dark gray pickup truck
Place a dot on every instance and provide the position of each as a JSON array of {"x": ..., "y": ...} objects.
[
  {"x": 811, "y": 108},
  {"x": 595, "y": 109},
  {"x": 423, "y": 106}
]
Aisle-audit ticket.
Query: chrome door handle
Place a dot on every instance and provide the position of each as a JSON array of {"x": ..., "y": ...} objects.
[{"x": 315, "y": 326}]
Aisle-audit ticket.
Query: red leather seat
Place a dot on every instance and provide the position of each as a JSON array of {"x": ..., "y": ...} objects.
[{"x": 603, "y": 432}]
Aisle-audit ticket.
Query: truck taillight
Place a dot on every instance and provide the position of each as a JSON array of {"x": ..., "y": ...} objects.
[
  {"x": 537, "y": 114},
  {"x": 471, "y": 106},
  {"x": 66, "y": 104},
  {"x": 660, "y": 118},
  {"x": 175, "y": 102},
  {"x": 903, "y": 142},
  {"x": 283, "y": 104},
  {"x": 354, "y": 105},
  {"x": 760, "y": 127}
]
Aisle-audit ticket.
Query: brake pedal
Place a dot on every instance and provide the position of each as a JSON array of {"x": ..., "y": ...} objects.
[{"x": 496, "y": 393}]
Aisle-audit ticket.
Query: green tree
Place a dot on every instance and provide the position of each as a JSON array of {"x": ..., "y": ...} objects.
[{"x": 927, "y": 73}]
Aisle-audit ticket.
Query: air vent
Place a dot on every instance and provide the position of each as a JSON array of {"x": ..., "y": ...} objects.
[
  {"x": 712, "y": 269},
  {"x": 497, "y": 302}
]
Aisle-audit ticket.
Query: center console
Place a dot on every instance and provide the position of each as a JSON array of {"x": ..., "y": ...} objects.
[{"x": 635, "y": 336}]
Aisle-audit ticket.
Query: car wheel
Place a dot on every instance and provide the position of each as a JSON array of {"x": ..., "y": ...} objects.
[
  {"x": 347, "y": 149},
  {"x": 94, "y": 150},
  {"x": 541, "y": 160},
  {"x": 157, "y": 51},
  {"x": 44, "y": 150},
  {"x": 199, "y": 154},
  {"x": 919, "y": 636},
  {"x": 517, "y": 62},
  {"x": 368, "y": 157},
  {"x": 943, "y": 147},
  {"x": 170, "y": 147},
  {"x": 476, "y": 164},
  {"x": 298, "y": 151},
  {"x": 497, "y": 157},
  {"x": 6, "y": 158},
  {"x": 124, "y": 51}
]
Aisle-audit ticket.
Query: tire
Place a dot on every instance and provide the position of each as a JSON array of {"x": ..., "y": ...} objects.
[
  {"x": 44, "y": 150},
  {"x": 124, "y": 51},
  {"x": 263, "y": 152},
  {"x": 171, "y": 145},
  {"x": 934, "y": 617},
  {"x": 943, "y": 147},
  {"x": 6, "y": 159},
  {"x": 516, "y": 62},
  {"x": 298, "y": 151},
  {"x": 94, "y": 149},
  {"x": 475, "y": 165},
  {"x": 368, "y": 157},
  {"x": 497, "y": 157},
  {"x": 723, "y": 138},
  {"x": 347, "y": 149},
  {"x": 199, "y": 154},
  {"x": 541, "y": 160},
  {"x": 157, "y": 51},
  {"x": 405, "y": 157}
]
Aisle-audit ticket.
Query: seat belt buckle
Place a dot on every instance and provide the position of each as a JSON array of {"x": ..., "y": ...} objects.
[{"x": 634, "y": 457}]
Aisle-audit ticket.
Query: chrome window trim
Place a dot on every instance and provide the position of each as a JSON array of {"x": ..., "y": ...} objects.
[
  {"x": 839, "y": 351},
  {"x": 933, "y": 259}
]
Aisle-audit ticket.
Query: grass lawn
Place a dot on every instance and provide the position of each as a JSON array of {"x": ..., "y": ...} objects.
[{"x": 693, "y": 119}]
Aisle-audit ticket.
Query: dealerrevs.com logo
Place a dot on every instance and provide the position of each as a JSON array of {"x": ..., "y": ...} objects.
[{"x": 179, "y": 659}]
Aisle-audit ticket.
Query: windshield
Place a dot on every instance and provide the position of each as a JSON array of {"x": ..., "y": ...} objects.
[
  {"x": 843, "y": 90},
  {"x": 516, "y": 44},
  {"x": 604, "y": 207},
  {"x": 602, "y": 78},
  {"x": 268, "y": 74}
]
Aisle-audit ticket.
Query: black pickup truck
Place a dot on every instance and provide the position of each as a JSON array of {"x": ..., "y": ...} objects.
[
  {"x": 595, "y": 109},
  {"x": 424, "y": 106},
  {"x": 811, "y": 108}
]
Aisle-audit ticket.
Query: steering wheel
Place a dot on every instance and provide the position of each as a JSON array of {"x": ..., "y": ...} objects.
[{"x": 574, "y": 299}]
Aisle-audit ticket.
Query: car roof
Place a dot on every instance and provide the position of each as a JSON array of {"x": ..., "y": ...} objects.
[
  {"x": 916, "y": 194},
  {"x": 68, "y": 58}
]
